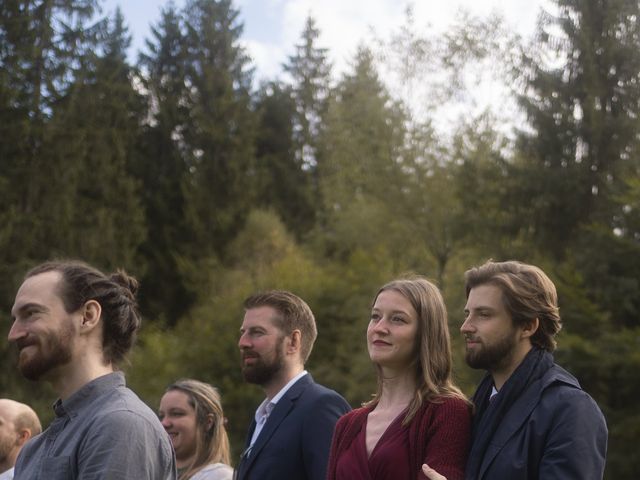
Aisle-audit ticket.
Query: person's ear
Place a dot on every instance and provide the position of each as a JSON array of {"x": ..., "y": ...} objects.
[
  {"x": 294, "y": 343},
  {"x": 530, "y": 328},
  {"x": 211, "y": 421},
  {"x": 91, "y": 312},
  {"x": 24, "y": 434}
]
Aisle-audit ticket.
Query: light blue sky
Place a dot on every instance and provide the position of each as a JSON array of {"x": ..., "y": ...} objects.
[{"x": 272, "y": 27}]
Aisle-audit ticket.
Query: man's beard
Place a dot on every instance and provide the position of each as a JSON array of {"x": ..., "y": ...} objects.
[
  {"x": 261, "y": 372},
  {"x": 492, "y": 357},
  {"x": 50, "y": 353}
]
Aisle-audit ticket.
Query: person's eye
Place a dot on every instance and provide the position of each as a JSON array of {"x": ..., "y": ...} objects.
[
  {"x": 398, "y": 319},
  {"x": 374, "y": 317}
]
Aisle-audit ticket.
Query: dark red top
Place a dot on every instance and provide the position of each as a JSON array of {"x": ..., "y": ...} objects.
[
  {"x": 389, "y": 459},
  {"x": 439, "y": 435}
]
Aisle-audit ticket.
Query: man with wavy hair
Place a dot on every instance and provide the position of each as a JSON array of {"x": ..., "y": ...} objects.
[
  {"x": 72, "y": 326},
  {"x": 533, "y": 420}
]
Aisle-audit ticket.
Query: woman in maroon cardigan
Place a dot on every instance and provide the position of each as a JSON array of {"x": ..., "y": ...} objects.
[{"x": 417, "y": 415}]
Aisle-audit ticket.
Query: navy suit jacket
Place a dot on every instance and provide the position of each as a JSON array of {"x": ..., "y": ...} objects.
[{"x": 295, "y": 440}]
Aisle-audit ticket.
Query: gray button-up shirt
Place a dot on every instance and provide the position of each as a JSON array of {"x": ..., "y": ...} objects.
[{"x": 102, "y": 431}]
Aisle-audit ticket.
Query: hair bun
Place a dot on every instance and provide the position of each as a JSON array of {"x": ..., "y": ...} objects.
[{"x": 126, "y": 281}]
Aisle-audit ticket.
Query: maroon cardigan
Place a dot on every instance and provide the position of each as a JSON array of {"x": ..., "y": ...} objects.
[{"x": 439, "y": 435}]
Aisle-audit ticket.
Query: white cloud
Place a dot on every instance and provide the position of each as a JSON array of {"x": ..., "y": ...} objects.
[
  {"x": 342, "y": 23},
  {"x": 346, "y": 23},
  {"x": 266, "y": 57}
]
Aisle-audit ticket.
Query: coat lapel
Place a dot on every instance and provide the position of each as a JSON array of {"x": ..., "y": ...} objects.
[
  {"x": 510, "y": 424},
  {"x": 282, "y": 409},
  {"x": 243, "y": 463}
]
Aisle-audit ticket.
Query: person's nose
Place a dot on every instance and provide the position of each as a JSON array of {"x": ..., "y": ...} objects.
[
  {"x": 467, "y": 326},
  {"x": 16, "y": 332},
  {"x": 166, "y": 423},
  {"x": 381, "y": 326},
  {"x": 243, "y": 341}
]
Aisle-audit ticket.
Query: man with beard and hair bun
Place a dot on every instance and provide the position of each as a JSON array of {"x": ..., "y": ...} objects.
[
  {"x": 291, "y": 433},
  {"x": 72, "y": 326},
  {"x": 18, "y": 424},
  {"x": 533, "y": 420}
]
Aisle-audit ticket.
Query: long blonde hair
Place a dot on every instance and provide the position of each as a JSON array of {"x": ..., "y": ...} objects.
[
  {"x": 433, "y": 362},
  {"x": 212, "y": 444}
]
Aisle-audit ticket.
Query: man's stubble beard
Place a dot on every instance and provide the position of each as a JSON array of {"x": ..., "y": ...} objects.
[
  {"x": 492, "y": 357},
  {"x": 51, "y": 352},
  {"x": 262, "y": 373}
]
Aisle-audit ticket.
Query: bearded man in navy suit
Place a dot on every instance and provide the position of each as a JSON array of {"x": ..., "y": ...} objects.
[{"x": 290, "y": 435}]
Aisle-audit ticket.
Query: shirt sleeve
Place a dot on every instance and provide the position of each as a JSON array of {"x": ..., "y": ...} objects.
[
  {"x": 448, "y": 436},
  {"x": 124, "y": 445}
]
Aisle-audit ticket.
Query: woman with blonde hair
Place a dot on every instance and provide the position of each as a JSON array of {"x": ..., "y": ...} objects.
[
  {"x": 191, "y": 413},
  {"x": 417, "y": 415}
]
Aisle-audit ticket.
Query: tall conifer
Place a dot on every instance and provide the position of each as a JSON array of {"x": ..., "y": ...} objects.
[
  {"x": 221, "y": 136},
  {"x": 583, "y": 108},
  {"x": 162, "y": 169}
]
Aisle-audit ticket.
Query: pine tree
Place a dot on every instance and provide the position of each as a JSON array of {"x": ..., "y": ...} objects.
[
  {"x": 41, "y": 46},
  {"x": 221, "y": 137},
  {"x": 162, "y": 169},
  {"x": 583, "y": 115},
  {"x": 310, "y": 73},
  {"x": 361, "y": 146},
  {"x": 101, "y": 117},
  {"x": 364, "y": 132},
  {"x": 283, "y": 184}
]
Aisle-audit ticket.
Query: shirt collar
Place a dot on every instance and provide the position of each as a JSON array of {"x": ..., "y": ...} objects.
[
  {"x": 88, "y": 392},
  {"x": 267, "y": 405},
  {"x": 493, "y": 393}
]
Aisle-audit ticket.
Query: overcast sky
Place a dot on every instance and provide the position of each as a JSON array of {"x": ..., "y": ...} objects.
[{"x": 273, "y": 27}]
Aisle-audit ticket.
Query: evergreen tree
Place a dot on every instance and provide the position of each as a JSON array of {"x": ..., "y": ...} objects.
[
  {"x": 220, "y": 139},
  {"x": 162, "y": 169},
  {"x": 360, "y": 176},
  {"x": 283, "y": 184},
  {"x": 481, "y": 177},
  {"x": 583, "y": 115},
  {"x": 310, "y": 73},
  {"x": 41, "y": 46},
  {"x": 99, "y": 122},
  {"x": 364, "y": 134}
]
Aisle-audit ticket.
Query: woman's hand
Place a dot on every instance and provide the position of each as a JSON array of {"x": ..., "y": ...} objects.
[{"x": 431, "y": 473}]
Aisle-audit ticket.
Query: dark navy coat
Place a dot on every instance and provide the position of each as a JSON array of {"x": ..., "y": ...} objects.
[
  {"x": 554, "y": 431},
  {"x": 295, "y": 441}
]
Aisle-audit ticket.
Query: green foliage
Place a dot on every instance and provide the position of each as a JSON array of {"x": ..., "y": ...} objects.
[
  {"x": 284, "y": 182},
  {"x": 209, "y": 191},
  {"x": 161, "y": 167},
  {"x": 102, "y": 114},
  {"x": 220, "y": 146},
  {"x": 39, "y": 52},
  {"x": 310, "y": 72},
  {"x": 583, "y": 115}
]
